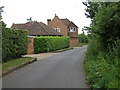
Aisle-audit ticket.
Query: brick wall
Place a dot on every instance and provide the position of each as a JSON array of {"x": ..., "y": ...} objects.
[
  {"x": 30, "y": 45},
  {"x": 73, "y": 34},
  {"x": 74, "y": 41},
  {"x": 56, "y": 23}
]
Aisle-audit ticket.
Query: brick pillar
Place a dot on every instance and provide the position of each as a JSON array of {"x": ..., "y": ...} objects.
[
  {"x": 30, "y": 45},
  {"x": 74, "y": 41}
]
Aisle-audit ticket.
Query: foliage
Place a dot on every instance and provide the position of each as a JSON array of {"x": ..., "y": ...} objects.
[
  {"x": 14, "y": 43},
  {"x": 49, "y": 43},
  {"x": 82, "y": 38},
  {"x": 106, "y": 23},
  {"x": 92, "y": 8},
  {"x": 81, "y": 44},
  {"x": 3, "y": 24},
  {"x": 103, "y": 53},
  {"x": 102, "y": 67}
]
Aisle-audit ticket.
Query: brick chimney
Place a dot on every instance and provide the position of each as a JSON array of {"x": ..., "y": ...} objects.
[{"x": 48, "y": 21}]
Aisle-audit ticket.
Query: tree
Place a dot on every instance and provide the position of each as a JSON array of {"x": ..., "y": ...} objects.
[
  {"x": 106, "y": 23},
  {"x": 91, "y": 9},
  {"x": 82, "y": 38}
]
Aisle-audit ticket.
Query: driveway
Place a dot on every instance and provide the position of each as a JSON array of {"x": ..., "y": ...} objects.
[
  {"x": 40, "y": 56},
  {"x": 63, "y": 70}
]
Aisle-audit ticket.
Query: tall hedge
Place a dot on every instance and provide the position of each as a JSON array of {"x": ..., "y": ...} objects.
[
  {"x": 14, "y": 43},
  {"x": 49, "y": 43}
]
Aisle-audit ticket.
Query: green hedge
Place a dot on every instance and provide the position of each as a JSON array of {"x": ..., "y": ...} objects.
[
  {"x": 49, "y": 43},
  {"x": 14, "y": 43}
]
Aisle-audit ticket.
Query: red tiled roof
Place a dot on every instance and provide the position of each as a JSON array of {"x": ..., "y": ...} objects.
[
  {"x": 36, "y": 28},
  {"x": 65, "y": 21}
]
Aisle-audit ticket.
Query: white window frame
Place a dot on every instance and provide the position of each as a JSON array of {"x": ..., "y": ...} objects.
[
  {"x": 71, "y": 29},
  {"x": 57, "y": 29}
]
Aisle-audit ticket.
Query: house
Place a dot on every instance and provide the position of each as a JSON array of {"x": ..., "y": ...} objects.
[
  {"x": 66, "y": 28},
  {"x": 37, "y": 29}
]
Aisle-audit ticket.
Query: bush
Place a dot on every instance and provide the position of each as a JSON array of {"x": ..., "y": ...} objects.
[
  {"x": 83, "y": 38},
  {"x": 14, "y": 43},
  {"x": 102, "y": 68},
  {"x": 49, "y": 43}
]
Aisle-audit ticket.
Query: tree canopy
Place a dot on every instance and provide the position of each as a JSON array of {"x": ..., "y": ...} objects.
[{"x": 105, "y": 21}]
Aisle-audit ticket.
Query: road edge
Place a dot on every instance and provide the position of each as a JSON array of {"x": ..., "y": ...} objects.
[{"x": 18, "y": 67}]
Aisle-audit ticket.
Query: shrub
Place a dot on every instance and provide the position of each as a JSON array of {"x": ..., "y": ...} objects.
[
  {"x": 14, "y": 43},
  {"x": 83, "y": 38},
  {"x": 102, "y": 68},
  {"x": 49, "y": 43}
]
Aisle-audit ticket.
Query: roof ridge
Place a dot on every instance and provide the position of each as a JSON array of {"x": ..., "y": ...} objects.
[{"x": 65, "y": 21}]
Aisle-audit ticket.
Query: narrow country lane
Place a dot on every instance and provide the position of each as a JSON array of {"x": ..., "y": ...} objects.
[{"x": 63, "y": 70}]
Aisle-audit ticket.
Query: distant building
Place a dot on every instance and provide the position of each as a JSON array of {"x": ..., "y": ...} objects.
[
  {"x": 37, "y": 29},
  {"x": 66, "y": 28}
]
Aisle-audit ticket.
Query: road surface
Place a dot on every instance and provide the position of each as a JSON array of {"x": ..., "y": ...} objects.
[{"x": 63, "y": 70}]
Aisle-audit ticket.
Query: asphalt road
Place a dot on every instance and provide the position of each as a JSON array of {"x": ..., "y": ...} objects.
[{"x": 64, "y": 70}]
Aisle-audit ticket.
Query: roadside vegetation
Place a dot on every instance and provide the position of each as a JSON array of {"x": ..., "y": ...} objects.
[
  {"x": 49, "y": 43},
  {"x": 83, "y": 39},
  {"x": 103, "y": 53},
  {"x": 14, "y": 62},
  {"x": 14, "y": 43}
]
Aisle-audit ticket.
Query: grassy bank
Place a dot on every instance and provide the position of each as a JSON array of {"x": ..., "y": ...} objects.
[
  {"x": 81, "y": 44},
  {"x": 101, "y": 67},
  {"x": 15, "y": 62}
]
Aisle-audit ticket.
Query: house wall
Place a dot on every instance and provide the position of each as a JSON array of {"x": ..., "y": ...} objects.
[
  {"x": 74, "y": 41},
  {"x": 73, "y": 34},
  {"x": 56, "y": 23},
  {"x": 30, "y": 45}
]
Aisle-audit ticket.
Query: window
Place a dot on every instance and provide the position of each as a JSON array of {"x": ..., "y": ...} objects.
[
  {"x": 72, "y": 29},
  {"x": 57, "y": 29}
]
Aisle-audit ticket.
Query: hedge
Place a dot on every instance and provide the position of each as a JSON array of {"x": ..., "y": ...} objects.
[
  {"x": 14, "y": 43},
  {"x": 50, "y": 43}
]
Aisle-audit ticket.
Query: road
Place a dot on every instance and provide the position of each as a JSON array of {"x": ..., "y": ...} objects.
[{"x": 63, "y": 70}]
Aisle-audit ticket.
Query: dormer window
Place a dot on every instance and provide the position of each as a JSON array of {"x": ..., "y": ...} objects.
[
  {"x": 57, "y": 29},
  {"x": 72, "y": 29}
]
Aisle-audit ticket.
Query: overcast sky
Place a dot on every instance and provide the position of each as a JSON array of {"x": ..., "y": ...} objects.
[{"x": 18, "y": 11}]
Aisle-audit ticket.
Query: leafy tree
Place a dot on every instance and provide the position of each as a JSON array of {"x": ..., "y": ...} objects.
[
  {"x": 103, "y": 52},
  {"x": 83, "y": 38},
  {"x": 91, "y": 9},
  {"x": 2, "y": 24},
  {"x": 106, "y": 23},
  {"x": 105, "y": 18}
]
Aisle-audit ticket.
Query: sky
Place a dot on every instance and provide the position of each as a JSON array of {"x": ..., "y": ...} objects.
[{"x": 18, "y": 11}]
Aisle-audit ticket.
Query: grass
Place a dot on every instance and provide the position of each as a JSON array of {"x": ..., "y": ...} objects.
[
  {"x": 14, "y": 62},
  {"x": 81, "y": 44}
]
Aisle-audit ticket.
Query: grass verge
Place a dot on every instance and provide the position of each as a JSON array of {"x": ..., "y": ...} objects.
[
  {"x": 81, "y": 44},
  {"x": 14, "y": 62}
]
